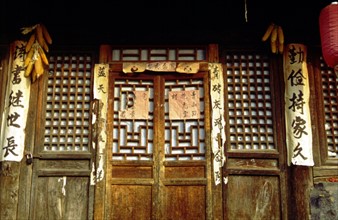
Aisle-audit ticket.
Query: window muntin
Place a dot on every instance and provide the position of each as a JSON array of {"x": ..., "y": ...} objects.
[{"x": 249, "y": 102}]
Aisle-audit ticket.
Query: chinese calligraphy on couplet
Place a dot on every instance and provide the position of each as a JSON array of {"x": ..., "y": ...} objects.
[
  {"x": 16, "y": 108},
  {"x": 100, "y": 92},
  {"x": 297, "y": 110},
  {"x": 217, "y": 117}
]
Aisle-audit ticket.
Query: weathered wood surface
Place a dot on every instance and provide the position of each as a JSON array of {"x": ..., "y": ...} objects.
[
  {"x": 9, "y": 190},
  {"x": 186, "y": 202},
  {"x": 61, "y": 198},
  {"x": 301, "y": 185},
  {"x": 131, "y": 202},
  {"x": 60, "y": 179},
  {"x": 253, "y": 197},
  {"x": 27, "y": 169}
]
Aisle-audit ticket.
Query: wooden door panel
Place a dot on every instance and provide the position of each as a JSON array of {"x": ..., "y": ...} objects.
[
  {"x": 184, "y": 171},
  {"x": 158, "y": 165},
  {"x": 131, "y": 202},
  {"x": 129, "y": 171},
  {"x": 63, "y": 155},
  {"x": 61, "y": 197},
  {"x": 253, "y": 197},
  {"x": 255, "y": 174},
  {"x": 185, "y": 202}
]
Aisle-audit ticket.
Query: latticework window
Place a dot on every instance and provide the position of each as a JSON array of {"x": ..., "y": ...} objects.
[
  {"x": 132, "y": 138},
  {"x": 68, "y": 103},
  {"x": 159, "y": 54},
  {"x": 330, "y": 96},
  {"x": 249, "y": 102},
  {"x": 184, "y": 139}
]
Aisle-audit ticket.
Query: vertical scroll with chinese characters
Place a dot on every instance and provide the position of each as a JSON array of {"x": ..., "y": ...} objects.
[
  {"x": 217, "y": 117},
  {"x": 16, "y": 108},
  {"x": 297, "y": 110},
  {"x": 100, "y": 92}
]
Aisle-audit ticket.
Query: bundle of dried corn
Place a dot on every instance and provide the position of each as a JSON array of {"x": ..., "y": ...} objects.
[
  {"x": 276, "y": 34},
  {"x": 36, "y": 47}
]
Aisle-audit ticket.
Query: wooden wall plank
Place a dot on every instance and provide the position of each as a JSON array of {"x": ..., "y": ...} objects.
[
  {"x": 253, "y": 197},
  {"x": 27, "y": 169},
  {"x": 9, "y": 182}
]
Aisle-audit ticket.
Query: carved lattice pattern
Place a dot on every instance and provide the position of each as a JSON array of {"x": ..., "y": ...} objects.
[
  {"x": 68, "y": 103},
  {"x": 132, "y": 138},
  {"x": 250, "y": 116},
  {"x": 184, "y": 139},
  {"x": 330, "y": 91},
  {"x": 159, "y": 54}
]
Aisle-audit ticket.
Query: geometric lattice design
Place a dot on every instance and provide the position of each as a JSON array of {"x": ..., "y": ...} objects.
[
  {"x": 132, "y": 138},
  {"x": 185, "y": 138},
  {"x": 330, "y": 95},
  {"x": 145, "y": 54},
  {"x": 68, "y": 103},
  {"x": 249, "y": 102}
]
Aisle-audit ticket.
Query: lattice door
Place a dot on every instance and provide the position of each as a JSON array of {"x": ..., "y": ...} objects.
[
  {"x": 160, "y": 164},
  {"x": 255, "y": 168},
  {"x": 63, "y": 154}
]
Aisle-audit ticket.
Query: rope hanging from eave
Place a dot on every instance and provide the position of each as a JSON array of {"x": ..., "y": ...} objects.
[{"x": 245, "y": 11}]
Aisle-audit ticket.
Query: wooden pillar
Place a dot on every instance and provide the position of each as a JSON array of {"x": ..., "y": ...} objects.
[
  {"x": 105, "y": 54},
  {"x": 301, "y": 183},
  {"x": 101, "y": 201},
  {"x": 217, "y": 203},
  {"x": 213, "y": 53}
]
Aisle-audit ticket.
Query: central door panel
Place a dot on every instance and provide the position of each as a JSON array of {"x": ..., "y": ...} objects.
[{"x": 159, "y": 164}]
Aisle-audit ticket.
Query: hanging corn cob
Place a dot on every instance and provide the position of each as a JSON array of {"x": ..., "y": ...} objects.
[
  {"x": 36, "y": 47},
  {"x": 275, "y": 32}
]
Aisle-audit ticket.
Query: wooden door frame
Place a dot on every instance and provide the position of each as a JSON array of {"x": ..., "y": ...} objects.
[{"x": 215, "y": 211}]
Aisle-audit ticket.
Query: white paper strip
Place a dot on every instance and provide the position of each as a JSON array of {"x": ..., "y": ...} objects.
[
  {"x": 101, "y": 72},
  {"x": 162, "y": 66},
  {"x": 217, "y": 119},
  {"x": 189, "y": 68},
  {"x": 14, "y": 117},
  {"x": 101, "y": 76},
  {"x": 297, "y": 110}
]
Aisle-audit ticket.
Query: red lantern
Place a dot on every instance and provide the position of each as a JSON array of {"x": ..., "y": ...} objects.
[{"x": 328, "y": 24}]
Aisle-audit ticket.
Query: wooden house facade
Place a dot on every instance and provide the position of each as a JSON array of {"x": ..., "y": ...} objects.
[{"x": 168, "y": 131}]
